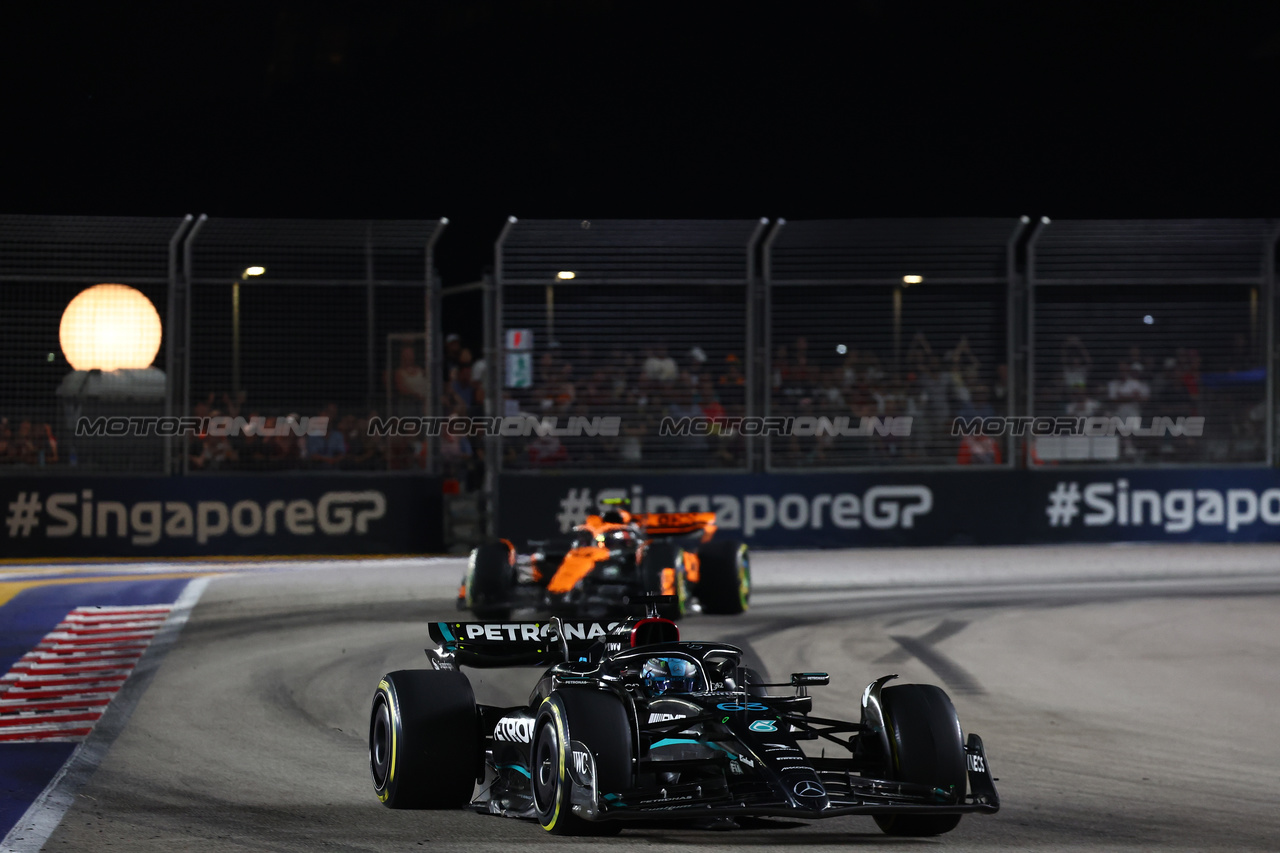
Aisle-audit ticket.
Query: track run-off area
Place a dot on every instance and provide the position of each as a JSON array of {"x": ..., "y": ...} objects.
[{"x": 1126, "y": 696}]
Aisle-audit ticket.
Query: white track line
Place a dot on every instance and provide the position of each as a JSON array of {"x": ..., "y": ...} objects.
[{"x": 40, "y": 820}]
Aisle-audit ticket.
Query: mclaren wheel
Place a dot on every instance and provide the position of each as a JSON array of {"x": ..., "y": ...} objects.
[
  {"x": 927, "y": 748},
  {"x": 490, "y": 581},
  {"x": 724, "y": 577},
  {"x": 424, "y": 740},
  {"x": 663, "y": 573},
  {"x": 599, "y": 722}
]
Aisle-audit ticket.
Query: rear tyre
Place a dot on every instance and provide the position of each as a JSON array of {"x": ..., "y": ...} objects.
[
  {"x": 490, "y": 581},
  {"x": 724, "y": 577},
  {"x": 927, "y": 748},
  {"x": 599, "y": 721},
  {"x": 424, "y": 740},
  {"x": 658, "y": 558}
]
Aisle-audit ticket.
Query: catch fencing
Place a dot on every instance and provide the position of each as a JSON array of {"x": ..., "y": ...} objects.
[
  {"x": 733, "y": 346},
  {"x": 286, "y": 325}
]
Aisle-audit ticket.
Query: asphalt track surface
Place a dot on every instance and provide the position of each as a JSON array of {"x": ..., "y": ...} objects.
[{"x": 1126, "y": 696}]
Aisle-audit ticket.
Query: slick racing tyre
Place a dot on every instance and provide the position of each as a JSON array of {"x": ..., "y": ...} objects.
[
  {"x": 724, "y": 577},
  {"x": 665, "y": 559},
  {"x": 424, "y": 740},
  {"x": 926, "y": 747},
  {"x": 490, "y": 581},
  {"x": 597, "y": 720}
]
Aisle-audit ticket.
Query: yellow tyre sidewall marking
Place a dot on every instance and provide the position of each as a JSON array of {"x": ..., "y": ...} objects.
[
  {"x": 384, "y": 688},
  {"x": 744, "y": 577},
  {"x": 560, "y": 750}
]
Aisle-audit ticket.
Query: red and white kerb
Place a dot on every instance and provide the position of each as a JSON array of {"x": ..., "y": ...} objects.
[{"x": 59, "y": 690}]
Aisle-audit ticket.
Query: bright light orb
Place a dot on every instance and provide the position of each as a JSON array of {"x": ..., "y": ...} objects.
[{"x": 110, "y": 327}]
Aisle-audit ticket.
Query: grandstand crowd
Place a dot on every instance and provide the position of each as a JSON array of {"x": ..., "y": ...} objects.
[{"x": 930, "y": 384}]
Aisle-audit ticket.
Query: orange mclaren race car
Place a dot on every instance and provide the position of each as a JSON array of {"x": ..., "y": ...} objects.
[{"x": 614, "y": 557}]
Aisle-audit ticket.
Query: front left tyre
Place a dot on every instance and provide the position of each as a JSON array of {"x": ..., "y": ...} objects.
[
  {"x": 424, "y": 740},
  {"x": 926, "y": 747},
  {"x": 596, "y": 719}
]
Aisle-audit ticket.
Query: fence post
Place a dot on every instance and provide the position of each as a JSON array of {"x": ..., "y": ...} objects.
[
  {"x": 1013, "y": 336},
  {"x": 1031, "y": 328},
  {"x": 433, "y": 346},
  {"x": 494, "y": 367},
  {"x": 171, "y": 357},
  {"x": 1269, "y": 299},
  {"x": 766, "y": 351},
  {"x": 186, "y": 334},
  {"x": 749, "y": 350}
]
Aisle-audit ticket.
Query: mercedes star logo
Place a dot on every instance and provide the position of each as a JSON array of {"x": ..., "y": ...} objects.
[{"x": 809, "y": 788}]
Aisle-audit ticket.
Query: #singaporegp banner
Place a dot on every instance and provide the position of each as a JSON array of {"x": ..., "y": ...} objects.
[
  {"x": 974, "y": 507},
  {"x": 69, "y": 516}
]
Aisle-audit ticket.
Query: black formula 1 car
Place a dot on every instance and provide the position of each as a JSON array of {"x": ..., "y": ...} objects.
[
  {"x": 629, "y": 725},
  {"x": 608, "y": 561}
]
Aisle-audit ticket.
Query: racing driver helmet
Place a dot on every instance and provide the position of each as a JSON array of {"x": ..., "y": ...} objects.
[{"x": 670, "y": 675}]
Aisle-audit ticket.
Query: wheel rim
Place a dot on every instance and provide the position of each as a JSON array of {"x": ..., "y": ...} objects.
[
  {"x": 380, "y": 743},
  {"x": 546, "y": 770}
]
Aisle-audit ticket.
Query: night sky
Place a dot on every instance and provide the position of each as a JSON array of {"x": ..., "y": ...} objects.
[{"x": 478, "y": 109}]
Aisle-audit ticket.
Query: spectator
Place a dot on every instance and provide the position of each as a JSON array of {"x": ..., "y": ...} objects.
[
  {"x": 284, "y": 449},
  {"x": 1187, "y": 377},
  {"x": 214, "y": 452},
  {"x": 546, "y": 450},
  {"x": 963, "y": 366},
  {"x": 22, "y": 449},
  {"x": 1075, "y": 363},
  {"x": 461, "y": 384},
  {"x": 410, "y": 384},
  {"x": 1128, "y": 391},
  {"x": 364, "y": 452},
  {"x": 48, "y": 445},
  {"x": 6, "y": 441},
  {"x": 251, "y": 447},
  {"x": 456, "y": 453},
  {"x": 1081, "y": 404},
  {"x": 660, "y": 367},
  {"x": 327, "y": 451},
  {"x": 452, "y": 350},
  {"x": 732, "y": 376},
  {"x": 979, "y": 450}
]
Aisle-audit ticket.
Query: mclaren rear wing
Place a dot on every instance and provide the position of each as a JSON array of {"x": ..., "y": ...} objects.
[{"x": 677, "y": 523}]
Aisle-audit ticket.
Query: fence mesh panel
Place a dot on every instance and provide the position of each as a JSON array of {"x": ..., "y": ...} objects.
[
  {"x": 117, "y": 336},
  {"x": 294, "y": 321},
  {"x": 650, "y": 327},
  {"x": 876, "y": 321},
  {"x": 1154, "y": 325}
]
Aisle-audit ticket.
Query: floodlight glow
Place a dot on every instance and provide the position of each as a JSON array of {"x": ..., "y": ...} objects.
[
  {"x": 566, "y": 275},
  {"x": 1148, "y": 319},
  {"x": 254, "y": 271},
  {"x": 110, "y": 327},
  {"x": 912, "y": 279},
  {"x": 842, "y": 349}
]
